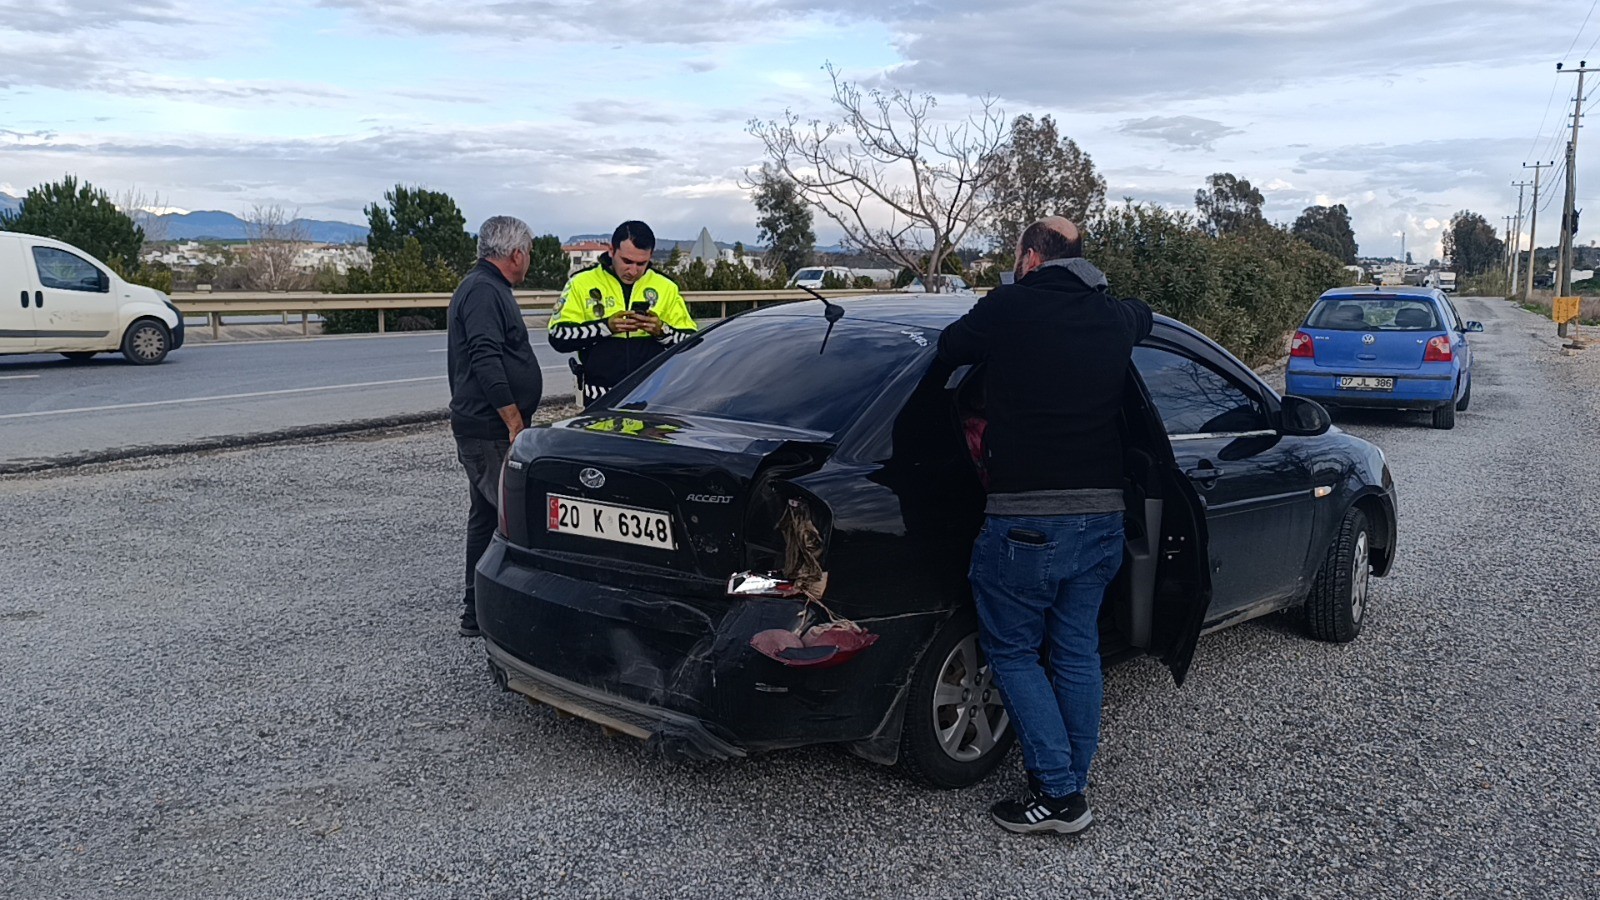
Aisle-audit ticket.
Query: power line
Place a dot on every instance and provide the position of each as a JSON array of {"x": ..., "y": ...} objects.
[
  {"x": 1579, "y": 34},
  {"x": 1592, "y": 44},
  {"x": 1549, "y": 102},
  {"x": 1561, "y": 169}
]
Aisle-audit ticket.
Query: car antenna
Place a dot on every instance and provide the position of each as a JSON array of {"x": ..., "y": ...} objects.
[{"x": 832, "y": 311}]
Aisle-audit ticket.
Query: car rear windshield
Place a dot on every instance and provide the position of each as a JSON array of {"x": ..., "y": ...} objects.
[
  {"x": 808, "y": 274},
  {"x": 767, "y": 369},
  {"x": 1374, "y": 314}
]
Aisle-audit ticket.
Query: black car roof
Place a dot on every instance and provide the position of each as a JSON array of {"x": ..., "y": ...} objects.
[{"x": 931, "y": 311}]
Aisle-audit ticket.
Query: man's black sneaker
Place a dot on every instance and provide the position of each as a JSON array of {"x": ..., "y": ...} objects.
[
  {"x": 469, "y": 624},
  {"x": 1064, "y": 815}
]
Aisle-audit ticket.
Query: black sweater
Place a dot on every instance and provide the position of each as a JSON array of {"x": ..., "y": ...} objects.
[
  {"x": 1056, "y": 351},
  {"x": 491, "y": 364}
]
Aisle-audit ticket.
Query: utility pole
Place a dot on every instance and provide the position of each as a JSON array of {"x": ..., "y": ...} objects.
[
  {"x": 1564, "y": 276},
  {"x": 1505, "y": 257},
  {"x": 1533, "y": 228},
  {"x": 1516, "y": 238}
]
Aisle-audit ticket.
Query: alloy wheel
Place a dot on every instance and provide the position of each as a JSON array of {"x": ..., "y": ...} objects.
[
  {"x": 968, "y": 715},
  {"x": 1360, "y": 577}
]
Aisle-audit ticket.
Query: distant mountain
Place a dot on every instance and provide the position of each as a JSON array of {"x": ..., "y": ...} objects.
[
  {"x": 221, "y": 226},
  {"x": 210, "y": 224}
]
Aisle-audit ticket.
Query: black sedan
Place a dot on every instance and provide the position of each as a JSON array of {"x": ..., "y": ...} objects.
[{"x": 760, "y": 540}]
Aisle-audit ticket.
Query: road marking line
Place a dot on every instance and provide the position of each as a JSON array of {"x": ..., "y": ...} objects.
[
  {"x": 16, "y": 377},
  {"x": 182, "y": 400},
  {"x": 440, "y": 350}
]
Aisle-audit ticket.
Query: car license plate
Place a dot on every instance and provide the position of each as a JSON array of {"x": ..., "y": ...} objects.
[
  {"x": 609, "y": 522},
  {"x": 1350, "y": 383}
]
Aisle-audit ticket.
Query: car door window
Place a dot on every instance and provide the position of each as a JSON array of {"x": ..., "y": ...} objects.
[
  {"x": 1194, "y": 398},
  {"x": 63, "y": 271}
]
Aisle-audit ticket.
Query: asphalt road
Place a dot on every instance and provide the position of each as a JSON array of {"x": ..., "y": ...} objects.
[
  {"x": 235, "y": 674},
  {"x": 52, "y": 408}
]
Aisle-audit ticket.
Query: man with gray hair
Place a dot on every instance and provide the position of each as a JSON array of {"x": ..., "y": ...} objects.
[{"x": 495, "y": 381}]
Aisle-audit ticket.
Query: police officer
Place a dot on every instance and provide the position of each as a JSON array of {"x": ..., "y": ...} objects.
[{"x": 617, "y": 315}]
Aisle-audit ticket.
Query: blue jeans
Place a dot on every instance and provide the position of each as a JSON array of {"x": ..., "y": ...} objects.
[{"x": 1038, "y": 583}]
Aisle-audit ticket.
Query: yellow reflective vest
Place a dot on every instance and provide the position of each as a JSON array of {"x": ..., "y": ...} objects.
[{"x": 578, "y": 324}]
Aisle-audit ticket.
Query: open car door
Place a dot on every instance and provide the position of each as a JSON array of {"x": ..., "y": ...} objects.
[{"x": 1180, "y": 592}]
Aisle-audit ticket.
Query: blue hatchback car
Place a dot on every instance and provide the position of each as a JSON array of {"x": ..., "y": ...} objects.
[{"x": 1385, "y": 348}]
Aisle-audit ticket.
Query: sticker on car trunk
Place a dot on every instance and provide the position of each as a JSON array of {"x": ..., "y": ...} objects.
[{"x": 609, "y": 522}]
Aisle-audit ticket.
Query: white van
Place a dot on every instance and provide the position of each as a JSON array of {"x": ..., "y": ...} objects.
[
  {"x": 54, "y": 298},
  {"x": 811, "y": 276}
]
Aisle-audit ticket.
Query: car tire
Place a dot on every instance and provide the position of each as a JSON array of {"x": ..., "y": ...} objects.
[
  {"x": 1337, "y": 604},
  {"x": 79, "y": 355},
  {"x": 146, "y": 342},
  {"x": 1444, "y": 417},
  {"x": 1466, "y": 398},
  {"x": 942, "y": 744}
]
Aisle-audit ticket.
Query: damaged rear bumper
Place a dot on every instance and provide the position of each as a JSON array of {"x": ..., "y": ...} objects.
[
  {"x": 653, "y": 657},
  {"x": 673, "y": 734}
]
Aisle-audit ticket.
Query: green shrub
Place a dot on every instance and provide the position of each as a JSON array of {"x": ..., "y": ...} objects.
[
  {"x": 1246, "y": 290},
  {"x": 404, "y": 271}
]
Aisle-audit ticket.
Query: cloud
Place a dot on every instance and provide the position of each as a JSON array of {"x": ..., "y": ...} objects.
[
  {"x": 1436, "y": 166},
  {"x": 1110, "y": 52},
  {"x": 1185, "y": 132},
  {"x": 72, "y": 16},
  {"x": 703, "y": 22},
  {"x": 557, "y": 179}
]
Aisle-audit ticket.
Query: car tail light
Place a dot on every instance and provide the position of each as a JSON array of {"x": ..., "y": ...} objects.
[
  {"x": 1439, "y": 350},
  {"x": 1300, "y": 346},
  {"x": 503, "y": 523}
]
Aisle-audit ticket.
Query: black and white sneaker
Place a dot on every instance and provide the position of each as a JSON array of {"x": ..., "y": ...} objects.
[
  {"x": 469, "y": 624},
  {"x": 1063, "y": 815}
]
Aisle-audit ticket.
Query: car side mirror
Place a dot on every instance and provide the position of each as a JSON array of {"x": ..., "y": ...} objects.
[
  {"x": 104, "y": 282},
  {"x": 1300, "y": 417},
  {"x": 1475, "y": 327}
]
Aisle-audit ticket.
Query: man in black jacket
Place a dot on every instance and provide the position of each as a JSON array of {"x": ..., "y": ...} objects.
[
  {"x": 495, "y": 382},
  {"x": 1056, "y": 347}
]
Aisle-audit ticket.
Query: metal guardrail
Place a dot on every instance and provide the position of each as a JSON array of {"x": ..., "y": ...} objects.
[{"x": 215, "y": 306}]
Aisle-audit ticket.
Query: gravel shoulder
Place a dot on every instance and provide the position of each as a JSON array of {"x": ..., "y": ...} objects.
[{"x": 235, "y": 674}]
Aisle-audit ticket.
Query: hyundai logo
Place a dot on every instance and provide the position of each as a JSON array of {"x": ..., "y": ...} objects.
[
  {"x": 592, "y": 478},
  {"x": 1368, "y": 339}
]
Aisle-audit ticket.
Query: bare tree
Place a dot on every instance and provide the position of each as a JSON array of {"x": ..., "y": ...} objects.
[
  {"x": 275, "y": 237},
  {"x": 145, "y": 209},
  {"x": 900, "y": 184}
]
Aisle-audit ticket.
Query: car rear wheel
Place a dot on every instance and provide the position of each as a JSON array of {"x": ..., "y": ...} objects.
[
  {"x": 146, "y": 342},
  {"x": 1466, "y": 398},
  {"x": 956, "y": 729},
  {"x": 1444, "y": 417},
  {"x": 1338, "y": 602},
  {"x": 79, "y": 355}
]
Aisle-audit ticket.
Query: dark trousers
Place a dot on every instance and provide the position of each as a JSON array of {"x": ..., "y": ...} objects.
[{"x": 482, "y": 459}]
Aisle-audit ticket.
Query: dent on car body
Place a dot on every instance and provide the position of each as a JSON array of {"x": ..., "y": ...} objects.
[{"x": 821, "y": 645}]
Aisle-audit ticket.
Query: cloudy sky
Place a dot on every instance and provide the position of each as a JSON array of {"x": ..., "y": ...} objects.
[{"x": 575, "y": 115}]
